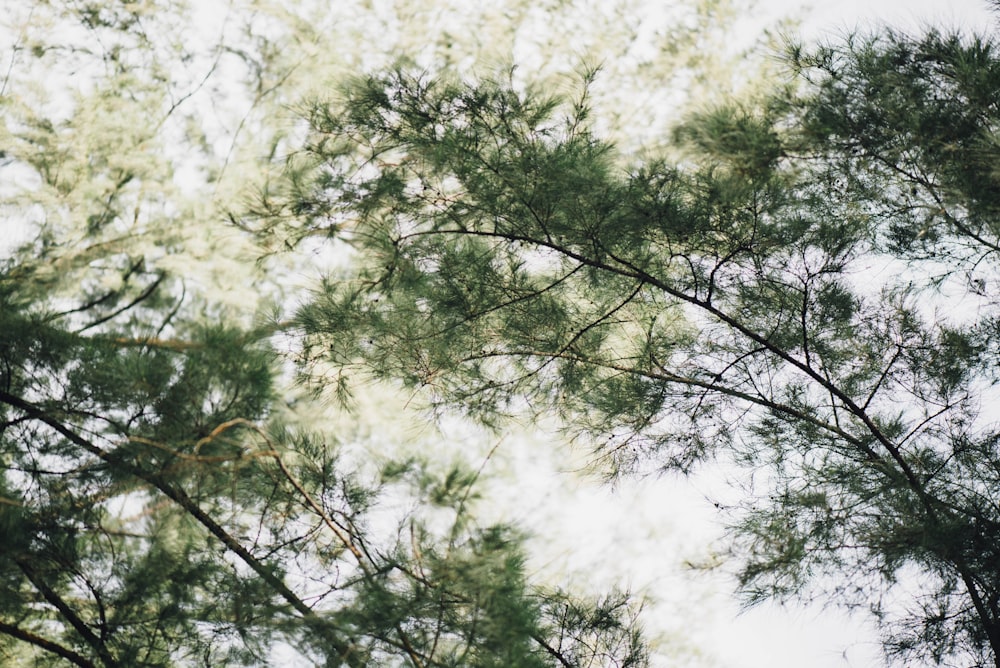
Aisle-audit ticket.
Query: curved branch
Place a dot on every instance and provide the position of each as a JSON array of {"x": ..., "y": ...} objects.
[{"x": 46, "y": 644}]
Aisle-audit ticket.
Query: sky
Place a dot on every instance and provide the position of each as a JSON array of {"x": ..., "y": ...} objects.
[{"x": 830, "y": 18}]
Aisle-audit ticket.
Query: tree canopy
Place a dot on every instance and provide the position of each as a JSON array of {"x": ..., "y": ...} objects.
[
  {"x": 801, "y": 284},
  {"x": 168, "y": 497},
  {"x": 796, "y": 284}
]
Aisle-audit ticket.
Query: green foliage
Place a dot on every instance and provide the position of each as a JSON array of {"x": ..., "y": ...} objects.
[
  {"x": 149, "y": 520},
  {"x": 807, "y": 293},
  {"x": 161, "y": 501}
]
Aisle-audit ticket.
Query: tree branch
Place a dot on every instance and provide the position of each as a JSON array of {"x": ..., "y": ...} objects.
[
  {"x": 75, "y": 621},
  {"x": 46, "y": 644}
]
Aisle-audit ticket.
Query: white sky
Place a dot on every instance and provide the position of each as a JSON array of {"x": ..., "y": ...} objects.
[{"x": 833, "y": 17}]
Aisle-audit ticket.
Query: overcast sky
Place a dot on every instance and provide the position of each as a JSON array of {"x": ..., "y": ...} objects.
[{"x": 833, "y": 16}]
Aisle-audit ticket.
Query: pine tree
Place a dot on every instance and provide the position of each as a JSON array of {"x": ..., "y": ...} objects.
[
  {"x": 162, "y": 503},
  {"x": 802, "y": 287}
]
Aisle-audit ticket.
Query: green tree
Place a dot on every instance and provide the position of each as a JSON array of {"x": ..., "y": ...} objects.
[
  {"x": 162, "y": 502},
  {"x": 802, "y": 286},
  {"x": 157, "y": 511}
]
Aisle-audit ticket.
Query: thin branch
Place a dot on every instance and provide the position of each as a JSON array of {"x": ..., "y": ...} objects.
[
  {"x": 145, "y": 294},
  {"x": 883, "y": 376},
  {"x": 345, "y": 536},
  {"x": 151, "y": 342},
  {"x": 713, "y": 385},
  {"x": 556, "y": 654},
  {"x": 67, "y": 612}
]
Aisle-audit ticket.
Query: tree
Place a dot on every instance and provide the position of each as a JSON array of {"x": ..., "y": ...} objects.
[
  {"x": 801, "y": 287},
  {"x": 161, "y": 502},
  {"x": 154, "y": 514}
]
